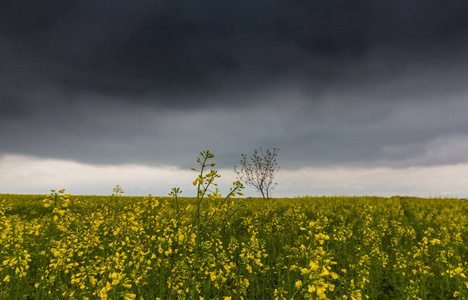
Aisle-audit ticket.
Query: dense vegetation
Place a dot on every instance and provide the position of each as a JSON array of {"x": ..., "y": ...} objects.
[{"x": 87, "y": 247}]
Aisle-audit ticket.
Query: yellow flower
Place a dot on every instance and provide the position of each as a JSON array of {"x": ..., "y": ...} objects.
[
  {"x": 321, "y": 294},
  {"x": 458, "y": 271},
  {"x": 103, "y": 293},
  {"x": 298, "y": 283},
  {"x": 313, "y": 266},
  {"x": 7, "y": 278},
  {"x": 129, "y": 297}
]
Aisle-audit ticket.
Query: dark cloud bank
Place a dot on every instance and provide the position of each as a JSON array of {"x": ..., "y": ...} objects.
[{"x": 328, "y": 82}]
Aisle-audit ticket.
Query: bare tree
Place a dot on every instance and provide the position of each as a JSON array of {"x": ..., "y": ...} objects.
[{"x": 260, "y": 172}]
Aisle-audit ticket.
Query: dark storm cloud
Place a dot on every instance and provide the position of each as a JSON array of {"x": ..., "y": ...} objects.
[
  {"x": 200, "y": 48},
  {"x": 326, "y": 81},
  {"x": 177, "y": 48}
]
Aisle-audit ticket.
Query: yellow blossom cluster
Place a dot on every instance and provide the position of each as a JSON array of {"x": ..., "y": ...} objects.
[{"x": 61, "y": 246}]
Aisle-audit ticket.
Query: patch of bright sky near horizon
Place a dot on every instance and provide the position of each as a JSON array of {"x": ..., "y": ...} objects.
[{"x": 22, "y": 174}]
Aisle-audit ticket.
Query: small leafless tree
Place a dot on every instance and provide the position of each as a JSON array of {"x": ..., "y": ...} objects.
[{"x": 260, "y": 171}]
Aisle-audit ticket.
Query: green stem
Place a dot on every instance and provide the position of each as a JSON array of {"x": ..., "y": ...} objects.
[
  {"x": 177, "y": 207},
  {"x": 222, "y": 203},
  {"x": 197, "y": 243}
]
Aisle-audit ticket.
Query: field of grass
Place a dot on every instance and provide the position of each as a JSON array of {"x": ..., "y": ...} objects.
[{"x": 90, "y": 247}]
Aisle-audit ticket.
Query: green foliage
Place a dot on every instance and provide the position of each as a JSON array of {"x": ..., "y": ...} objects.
[
  {"x": 301, "y": 248},
  {"x": 117, "y": 191},
  {"x": 204, "y": 182}
]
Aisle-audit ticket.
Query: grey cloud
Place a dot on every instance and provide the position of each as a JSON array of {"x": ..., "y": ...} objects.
[
  {"x": 203, "y": 48},
  {"x": 329, "y": 83},
  {"x": 337, "y": 130}
]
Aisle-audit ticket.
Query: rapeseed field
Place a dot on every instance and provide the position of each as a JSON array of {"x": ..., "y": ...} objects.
[{"x": 61, "y": 246}]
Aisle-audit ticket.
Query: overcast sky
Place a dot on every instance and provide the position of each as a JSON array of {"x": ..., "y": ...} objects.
[{"x": 362, "y": 97}]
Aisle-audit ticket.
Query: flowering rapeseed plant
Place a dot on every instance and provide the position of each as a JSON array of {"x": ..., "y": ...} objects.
[
  {"x": 204, "y": 182},
  {"x": 301, "y": 248}
]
